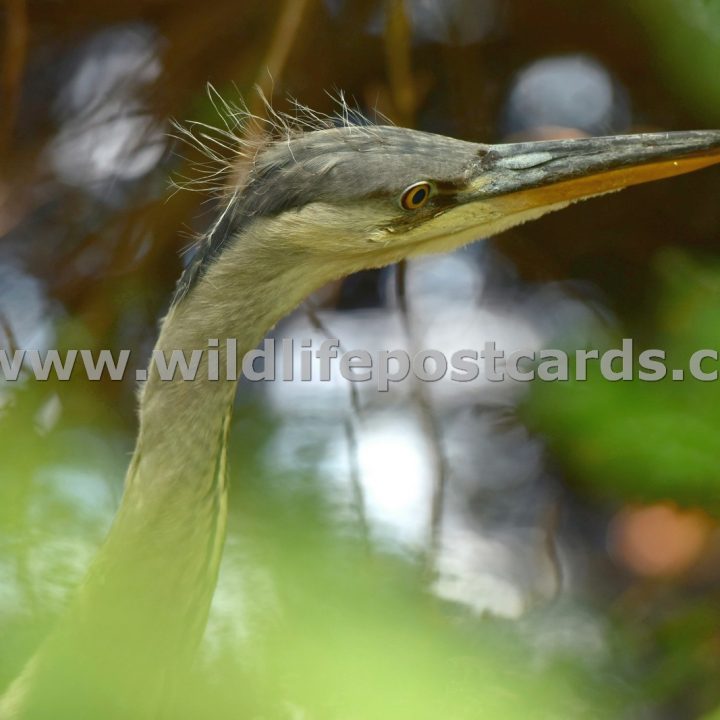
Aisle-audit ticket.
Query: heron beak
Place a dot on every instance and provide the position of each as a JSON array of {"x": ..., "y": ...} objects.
[{"x": 532, "y": 178}]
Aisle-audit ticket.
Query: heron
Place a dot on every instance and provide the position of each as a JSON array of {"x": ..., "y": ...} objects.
[{"x": 312, "y": 205}]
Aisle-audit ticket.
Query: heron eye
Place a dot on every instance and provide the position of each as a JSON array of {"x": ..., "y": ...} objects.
[{"x": 415, "y": 196}]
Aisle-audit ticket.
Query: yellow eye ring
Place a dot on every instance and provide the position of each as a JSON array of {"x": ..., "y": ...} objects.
[{"x": 415, "y": 196}]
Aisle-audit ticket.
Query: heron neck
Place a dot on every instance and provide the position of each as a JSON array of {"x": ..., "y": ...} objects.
[
  {"x": 144, "y": 606},
  {"x": 241, "y": 296},
  {"x": 176, "y": 493}
]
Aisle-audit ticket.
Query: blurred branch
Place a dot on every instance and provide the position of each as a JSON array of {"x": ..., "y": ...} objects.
[
  {"x": 355, "y": 479},
  {"x": 320, "y": 326},
  {"x": 283, "y": 39},
  {"x": 403, "y": 91},
  {"x": 398, "y": 58},
  {"x": 8, "y": 333},
  {"x": 550, "y": 523},
  {"x": 16, "y": 40},
  {"x": 356, "y": 483},
  {"x": 430, "y": 427}
]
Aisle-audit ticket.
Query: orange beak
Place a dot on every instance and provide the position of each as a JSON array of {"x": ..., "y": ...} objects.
[{"x": 521, "y": 177}]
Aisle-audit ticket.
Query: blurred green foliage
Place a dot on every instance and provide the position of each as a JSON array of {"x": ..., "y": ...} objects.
[
  {"x": 645, "y": 441},
  {"x": 336, "y": 632},
  {"x": 686, "y": 36},
  {"x": 309, "y": 623}
]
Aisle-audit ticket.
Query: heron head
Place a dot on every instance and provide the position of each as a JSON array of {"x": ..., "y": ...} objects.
[{"x": 367, "y": 196}]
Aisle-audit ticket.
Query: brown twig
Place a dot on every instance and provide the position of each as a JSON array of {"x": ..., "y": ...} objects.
[
  {"x": 431, "y": 429},
  {"x": 356, "y": 484},
  {"x": 283, "y": 39},
  {"x": 7, "y": 331},
  {"x": 398, "y": 58},
  {"x": 550, "y": 524},
  {"x": 16, "y": 41},
  {"x": 403, "y": 91},
  {"x": 355, "y": 479}
]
